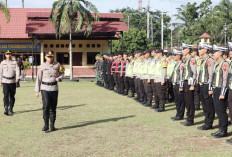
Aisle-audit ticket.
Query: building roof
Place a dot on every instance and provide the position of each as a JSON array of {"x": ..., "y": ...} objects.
[
  {"x": 21, "y": 26},
  {"x": 205, "y": 36}
]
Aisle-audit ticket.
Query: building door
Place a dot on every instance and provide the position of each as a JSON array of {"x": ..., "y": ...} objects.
[{"x": 77, "y": 58}]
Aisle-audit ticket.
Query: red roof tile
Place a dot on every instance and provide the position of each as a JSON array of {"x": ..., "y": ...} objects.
[
  {"x": 205, "y": 36},
  {"x": 19, "y": 26},
  {"x": 46, "y": 27}
]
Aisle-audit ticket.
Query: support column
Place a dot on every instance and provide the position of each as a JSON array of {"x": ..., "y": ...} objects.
[{"x": 42, "y": 53}]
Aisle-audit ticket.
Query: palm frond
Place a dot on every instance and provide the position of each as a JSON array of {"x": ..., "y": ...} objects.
[{"x": 5, "y": 11}]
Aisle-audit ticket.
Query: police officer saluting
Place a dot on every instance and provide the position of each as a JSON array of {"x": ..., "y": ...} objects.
[
  {"x": 9, "y": 76},
  {"x": 48, "y": 75}
]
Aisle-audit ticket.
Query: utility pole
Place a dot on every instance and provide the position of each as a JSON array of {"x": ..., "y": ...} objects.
[
  {"x": 225, "y": 28},
  {"x": 148, "y": 19},
  {"x": 171, "y": 27},
  {"x": 128, "y": 21},
  {"x": 6, "y": 3},
  {"x": 22, "y": 3},
  {"x": 152, "y": 33},
  {"x": 162, "y": 30}
]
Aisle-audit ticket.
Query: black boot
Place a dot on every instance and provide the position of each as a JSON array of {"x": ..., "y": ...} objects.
[
  {"x": 6, "y": 110},
  {"x": 11, "y": 110},
  {"x": 46, "y": 126},
  {"x": 52, "y": 126},
  {"x": 125, "y": 93},
  {"x": 229, "y": 141},
  {"x": 148, "y": 104},
  {"x": 221, "y": 133},
  {"x": 161, "y": 108},
  {"x": 132, "y": 95},
  {"x": 156, "y": 106},
  {"x": 137, "y": 97}
]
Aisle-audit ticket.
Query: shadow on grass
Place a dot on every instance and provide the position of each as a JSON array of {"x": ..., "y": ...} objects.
[
  {"x": 83, "y": 124},
  {"x": 170, "y": 109},
  {"x": 59, "y": 108},
  {"x": 200, "y": 114}
]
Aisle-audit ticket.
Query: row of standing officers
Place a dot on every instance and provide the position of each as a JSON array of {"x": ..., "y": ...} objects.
[{"x": 197, "y": 74}]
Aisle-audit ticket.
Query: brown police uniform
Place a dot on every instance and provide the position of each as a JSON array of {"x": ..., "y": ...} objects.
[
  {"x": 47, "y": 84},
  {"x": 9, "y": 72},
  {"x": 188, "y": 78}
]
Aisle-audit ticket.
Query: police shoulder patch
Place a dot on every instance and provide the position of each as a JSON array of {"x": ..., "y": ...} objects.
[
  {"x": 164, "y": 64},
  {"x": 208, "y": 63},
  {"x": 182, "y": 67},
  {"x": 224, "y": 67},
  {"x": 192, "y": 61}
]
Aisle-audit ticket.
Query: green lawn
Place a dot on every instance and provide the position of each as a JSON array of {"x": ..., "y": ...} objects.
[{"x": 93, "y": 121}]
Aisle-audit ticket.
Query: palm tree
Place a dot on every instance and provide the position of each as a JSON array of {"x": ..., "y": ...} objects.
[
  {"x": 73, "y": 16},
  {"x": 3, "y": 8}
]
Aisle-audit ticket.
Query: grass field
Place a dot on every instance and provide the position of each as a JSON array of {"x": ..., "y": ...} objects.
[{"x": 93, "y": 121}]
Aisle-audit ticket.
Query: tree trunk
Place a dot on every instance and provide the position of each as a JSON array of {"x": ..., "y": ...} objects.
[
  {"x": 70, "y": 54},
  {"x": 6, "y": 3}
]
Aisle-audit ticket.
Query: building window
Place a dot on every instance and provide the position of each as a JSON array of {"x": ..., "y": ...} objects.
[
  {"x": 93, "y": 45},
  {"x": 91, "y": 57},
  {"x": 88, "y": 45},
  {"x": 57, "y": 45},
  {"x": 80, "y": 45},
  {"x": 73, "y": 45},
  {"x": 51, "y": 45},
  {"x": 63, "y": 58},
  {"x": 45, "y": 45},
  {"x": 62, "y": 45},
  {"x": 98, "y": 45},
  {"x": 67, "y": 45}
]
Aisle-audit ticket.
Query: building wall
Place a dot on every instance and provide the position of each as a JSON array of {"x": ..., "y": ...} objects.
[{"x": 85, "y": 69}]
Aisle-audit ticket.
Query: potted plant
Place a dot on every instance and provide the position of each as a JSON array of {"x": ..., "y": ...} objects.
[{"x": 26, "y": 67}]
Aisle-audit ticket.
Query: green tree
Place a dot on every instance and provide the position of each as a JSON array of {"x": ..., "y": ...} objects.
[
  {"x": 138, "y": 20},
  {"x": 5, "y": 11},
  {"x": 133, "y": 40},
  {"x": 72, "y": 16}
]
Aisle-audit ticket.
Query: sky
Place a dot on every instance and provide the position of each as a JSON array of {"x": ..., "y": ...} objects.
[{"x": 105, "y": 6}]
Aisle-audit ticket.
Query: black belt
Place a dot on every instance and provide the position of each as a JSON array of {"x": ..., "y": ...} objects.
[
  {"x": 9, "y": 78},
  {"x": 49, "y": 83}
]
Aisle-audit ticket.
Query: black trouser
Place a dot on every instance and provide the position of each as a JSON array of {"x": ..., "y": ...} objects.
[
  {"x": 170, "y": 94},
  {"x": 115, "y": 80},
  {"x": 148, "y": 90},
  {"x": 220, "y": 109},
  {"x": 207, "y": 104},
  {"x": 111, "y": 80},
  {"x": 126, "y": 83},
  {"x": 49, "y": 105},
  {"x": 230, "y": 104},
  {"x": 121, "y": 82},
  {"x": 9, "y": 90},
  {"x": 153, "y": 85},
  {"x": 161, "y": 93},
  {"x": 131, "y": 85},
  {"x": 179, "y": 101},
  {"x": 189, "y": 102},
  {"x": 141, "y": 89},
  {"x": 197, "y": 96},
  {"x": 105, "y": 79},
  {"x": 136, "y": 80}
]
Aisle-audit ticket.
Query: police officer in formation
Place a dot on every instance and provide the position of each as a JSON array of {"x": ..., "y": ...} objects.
[{"x": 188, "y": 77}]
